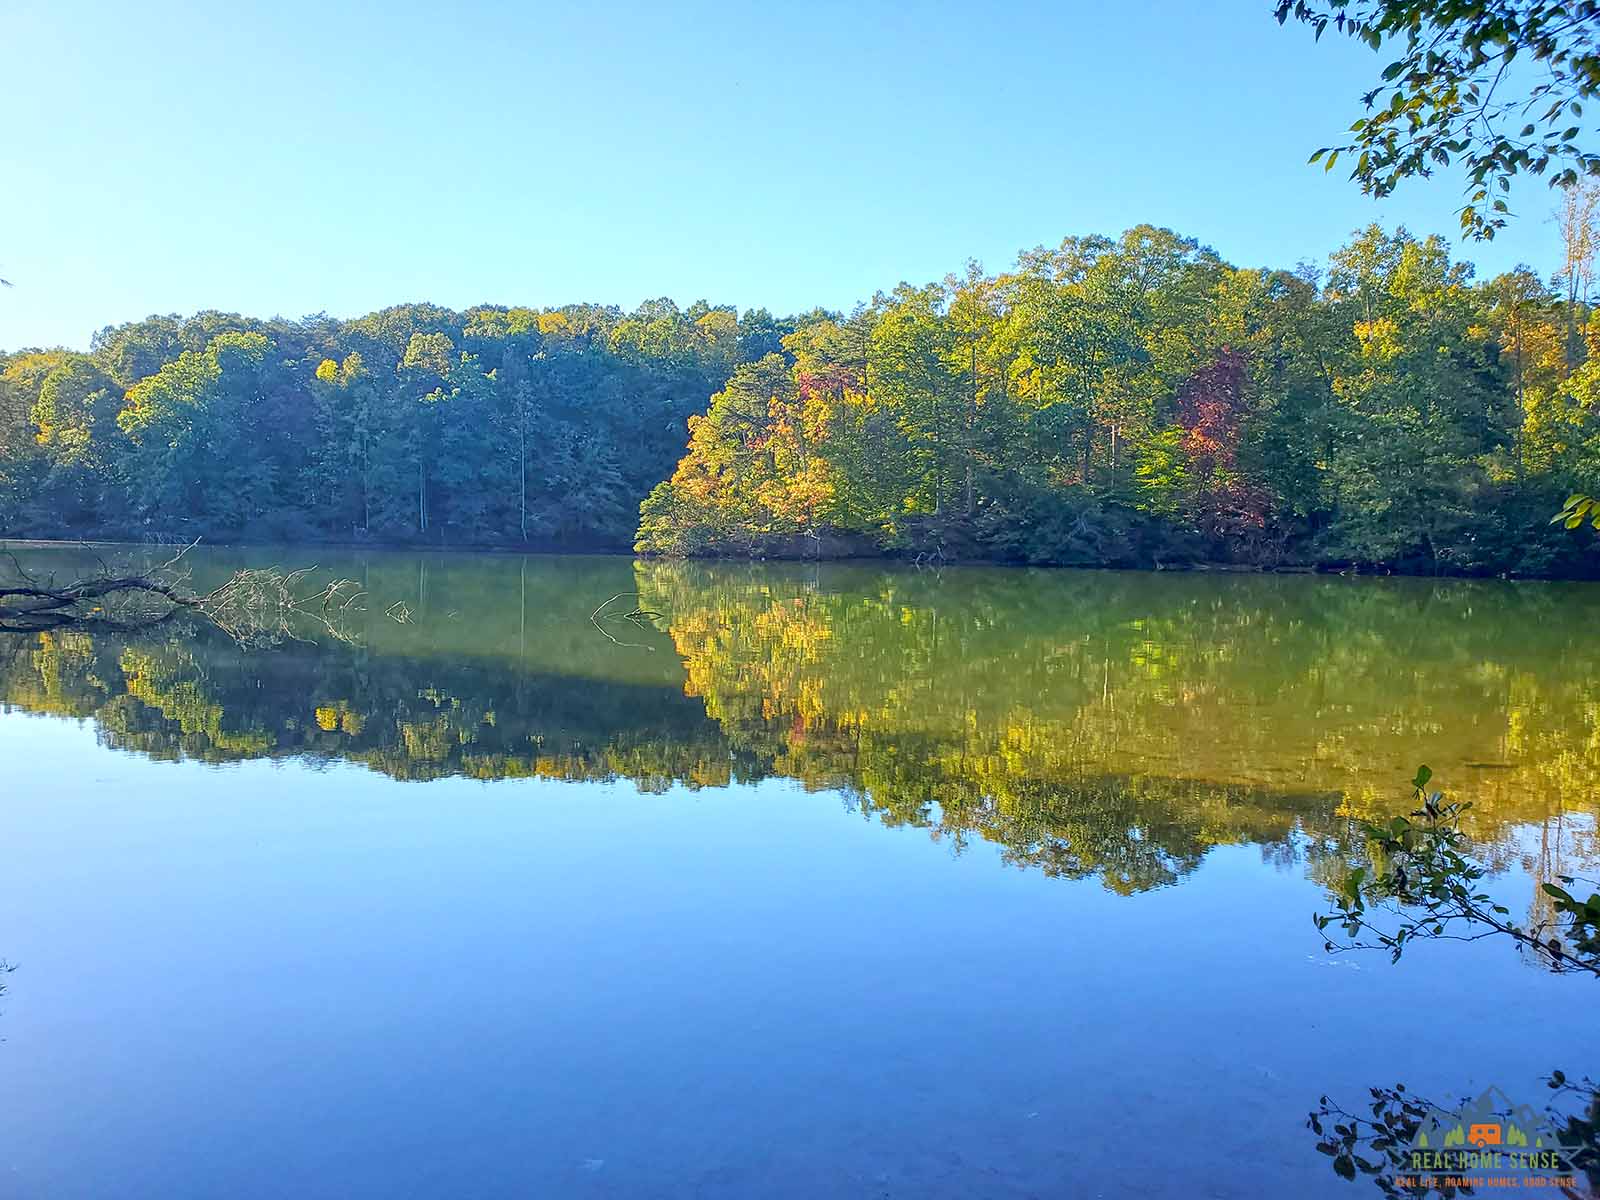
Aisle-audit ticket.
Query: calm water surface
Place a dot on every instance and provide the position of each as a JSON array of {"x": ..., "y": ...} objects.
[{"x": 806, "y": 881}]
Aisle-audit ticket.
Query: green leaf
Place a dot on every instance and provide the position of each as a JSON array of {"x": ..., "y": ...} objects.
[{"x": 1424, "y": 773}]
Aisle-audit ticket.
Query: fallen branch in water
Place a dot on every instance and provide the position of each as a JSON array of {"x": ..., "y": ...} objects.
[
  {"x": 261, "y": 606},
  {"x": 255, "y": 606},
  {"x": 61, "y": 604},
  {"x": 636, "y": 614},
  {"x": 34, "y": 605},
  {"x": 640, "y": 617}
]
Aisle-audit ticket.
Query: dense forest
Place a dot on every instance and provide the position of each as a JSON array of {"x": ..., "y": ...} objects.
[
  {"x": 1134, "y": 401},
  {"x": 1141, "y": 402},
  {"x": 414, "y": 424}
]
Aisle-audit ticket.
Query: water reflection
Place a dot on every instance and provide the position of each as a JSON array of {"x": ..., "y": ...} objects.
[{"x": 1089, "y": 723}]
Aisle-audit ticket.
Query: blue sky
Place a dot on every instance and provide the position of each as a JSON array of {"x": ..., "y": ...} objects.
[{"x": 293, "y": 157}]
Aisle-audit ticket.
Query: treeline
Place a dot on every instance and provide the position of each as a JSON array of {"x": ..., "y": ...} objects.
[
  {"x": 1141, "y": 402},
  {"x": 413, "y": 424},
  {"x": 1130, "y": 402}
]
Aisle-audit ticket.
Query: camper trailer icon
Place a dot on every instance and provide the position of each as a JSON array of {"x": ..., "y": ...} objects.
[{"x": 1484, "y": 1135}]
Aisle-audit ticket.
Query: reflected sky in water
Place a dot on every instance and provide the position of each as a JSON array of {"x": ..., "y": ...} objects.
[{"x": 797, "y": 897}]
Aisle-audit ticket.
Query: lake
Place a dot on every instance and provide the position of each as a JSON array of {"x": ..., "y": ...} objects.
[{"x": 799, "y": 880}]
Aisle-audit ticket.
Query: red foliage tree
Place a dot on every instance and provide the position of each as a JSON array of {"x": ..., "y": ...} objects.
[{"x": 1213, "y": 407}]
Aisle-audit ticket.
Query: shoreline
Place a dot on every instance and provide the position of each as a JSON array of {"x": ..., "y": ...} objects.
[{"x": 1342, "y": 570}]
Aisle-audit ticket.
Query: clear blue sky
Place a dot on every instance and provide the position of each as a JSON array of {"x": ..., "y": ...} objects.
[{"x": 292, "y": 157}]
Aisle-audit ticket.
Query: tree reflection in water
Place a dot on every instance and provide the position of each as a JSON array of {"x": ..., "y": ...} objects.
[{"x": 1090, "y": 724}]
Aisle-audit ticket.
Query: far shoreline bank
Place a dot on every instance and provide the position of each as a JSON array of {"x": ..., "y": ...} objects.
[{"x": 1331, "y": 569}]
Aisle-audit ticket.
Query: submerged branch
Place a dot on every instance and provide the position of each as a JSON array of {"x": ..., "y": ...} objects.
[
  {"x": 254, "y": 606},
  {"x": 639, "y": 617},
  {"x": 263, "y": 606}
]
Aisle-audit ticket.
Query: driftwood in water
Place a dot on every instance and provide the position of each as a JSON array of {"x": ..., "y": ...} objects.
[
  {"x": 639, "y": 617},
  {"x": 254, "y": 606},
  {"x": 264, "y": 606},
  {"x": 31, "y": 604},
  {"x": 38, "y": 607}
]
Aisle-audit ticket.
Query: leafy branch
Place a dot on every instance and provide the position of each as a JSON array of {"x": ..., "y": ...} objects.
[
  {"x": 1446, "y": 98},
  {"x": 1576, "y": 510},
  {"x": 1421, "y": 883},
  {"x": 1378, "y": 1142}
]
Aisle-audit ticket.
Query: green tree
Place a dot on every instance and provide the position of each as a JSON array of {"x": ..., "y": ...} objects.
[{"x": 197, "y": 427}]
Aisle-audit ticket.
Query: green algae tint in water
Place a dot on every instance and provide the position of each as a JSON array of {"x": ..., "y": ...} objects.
[{"x": 821, "y": 880}]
